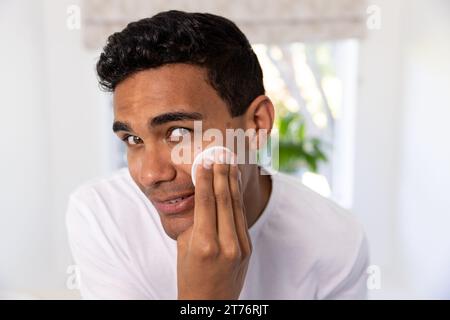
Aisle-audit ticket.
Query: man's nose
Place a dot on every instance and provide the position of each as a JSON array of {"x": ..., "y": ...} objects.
[{"x": 155, "y": 167}]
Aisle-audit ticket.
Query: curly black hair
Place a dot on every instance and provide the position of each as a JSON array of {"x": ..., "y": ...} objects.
[{"x": 201, "y": 39}]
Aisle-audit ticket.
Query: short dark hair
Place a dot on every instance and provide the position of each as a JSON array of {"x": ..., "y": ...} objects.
[{"x": 201, "y": 39}]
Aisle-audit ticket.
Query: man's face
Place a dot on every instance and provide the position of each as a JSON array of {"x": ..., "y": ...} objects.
[{"x": 153, "y": 109}]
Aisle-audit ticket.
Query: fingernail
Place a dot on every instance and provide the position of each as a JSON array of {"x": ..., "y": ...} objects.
[{"x": 207, "y": 163}]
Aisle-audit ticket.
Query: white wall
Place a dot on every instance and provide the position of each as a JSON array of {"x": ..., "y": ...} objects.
[
  {"x": 424, "y": 201},
  {"x": 78, "y": 122},
  {"x": 24, "y": 162},
  {"x": 402, "y": 171},
  {"x": 378, "y": 122},
  {"x": 54, "y": 127}
]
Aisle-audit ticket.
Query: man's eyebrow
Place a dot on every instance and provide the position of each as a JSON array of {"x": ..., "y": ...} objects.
[
  {"x": 159, "y": 120},
  {"x": 174, "y": 116},
  {"x": 121, "y": 126}
]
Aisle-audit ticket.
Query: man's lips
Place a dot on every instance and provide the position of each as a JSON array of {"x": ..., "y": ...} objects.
[{"x": 175, "y": 204}]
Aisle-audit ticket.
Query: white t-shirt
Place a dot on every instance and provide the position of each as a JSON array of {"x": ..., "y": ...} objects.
[{"x": 304, "y": 246}]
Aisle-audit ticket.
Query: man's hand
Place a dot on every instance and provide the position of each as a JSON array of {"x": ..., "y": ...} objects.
[{"x": 213, "y": 254}]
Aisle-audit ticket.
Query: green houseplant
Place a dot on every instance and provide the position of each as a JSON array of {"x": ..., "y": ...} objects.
[{"x": 296, "y": 150}]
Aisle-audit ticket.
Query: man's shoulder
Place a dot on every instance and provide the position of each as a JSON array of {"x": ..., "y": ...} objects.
[
  {"x": 107, "y": 198},
  {"x": 116, "y": 183},
  {"x": 310, "y": 208},
  {"x": 112, "y": 205},
  {"x": 331, "y": 234}
]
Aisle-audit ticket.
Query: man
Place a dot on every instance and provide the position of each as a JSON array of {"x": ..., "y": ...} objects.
[{"x": 147, "y": 233}]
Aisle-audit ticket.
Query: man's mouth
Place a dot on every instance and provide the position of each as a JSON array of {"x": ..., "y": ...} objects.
[
  {"x": 175, "y": 204},
  {"x": 176, "y": 200}
]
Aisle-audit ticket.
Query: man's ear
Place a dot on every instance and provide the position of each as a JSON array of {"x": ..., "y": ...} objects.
[{"x": 260, "y": 117}]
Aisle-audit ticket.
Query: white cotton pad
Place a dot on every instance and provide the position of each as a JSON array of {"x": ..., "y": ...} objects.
[{"x": 210, "y": 154}]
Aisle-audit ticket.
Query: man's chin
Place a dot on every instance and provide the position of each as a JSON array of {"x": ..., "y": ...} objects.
[{"x": 176, "y": 225}]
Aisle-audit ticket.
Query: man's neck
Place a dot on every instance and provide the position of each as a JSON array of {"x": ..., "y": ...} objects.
[{"x": 256, "y": 194}]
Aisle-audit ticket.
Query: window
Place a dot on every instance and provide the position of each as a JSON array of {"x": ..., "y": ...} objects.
[{"x": 315, "y": 81}]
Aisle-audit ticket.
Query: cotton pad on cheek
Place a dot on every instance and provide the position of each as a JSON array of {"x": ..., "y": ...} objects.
[{"x": 211, "y": 155}]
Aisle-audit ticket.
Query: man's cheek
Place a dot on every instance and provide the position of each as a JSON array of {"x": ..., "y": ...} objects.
[{"x": 184, "y": 171}]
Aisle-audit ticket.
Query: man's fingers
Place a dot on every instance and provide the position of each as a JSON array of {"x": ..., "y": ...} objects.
[
  {"x": 205, "y": 207},
  {"x": 219, "y": 212},
  {"x": 239, "y": 211},
  {"x": 225, "y": 221}
]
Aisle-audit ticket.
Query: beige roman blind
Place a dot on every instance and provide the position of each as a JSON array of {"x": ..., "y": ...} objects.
[{"x": 263, "y": 21}]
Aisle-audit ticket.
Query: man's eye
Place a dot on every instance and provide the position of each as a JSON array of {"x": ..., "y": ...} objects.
[
  {"x": 176, "y": 134},
  {"x": 132, "y": 140}
]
